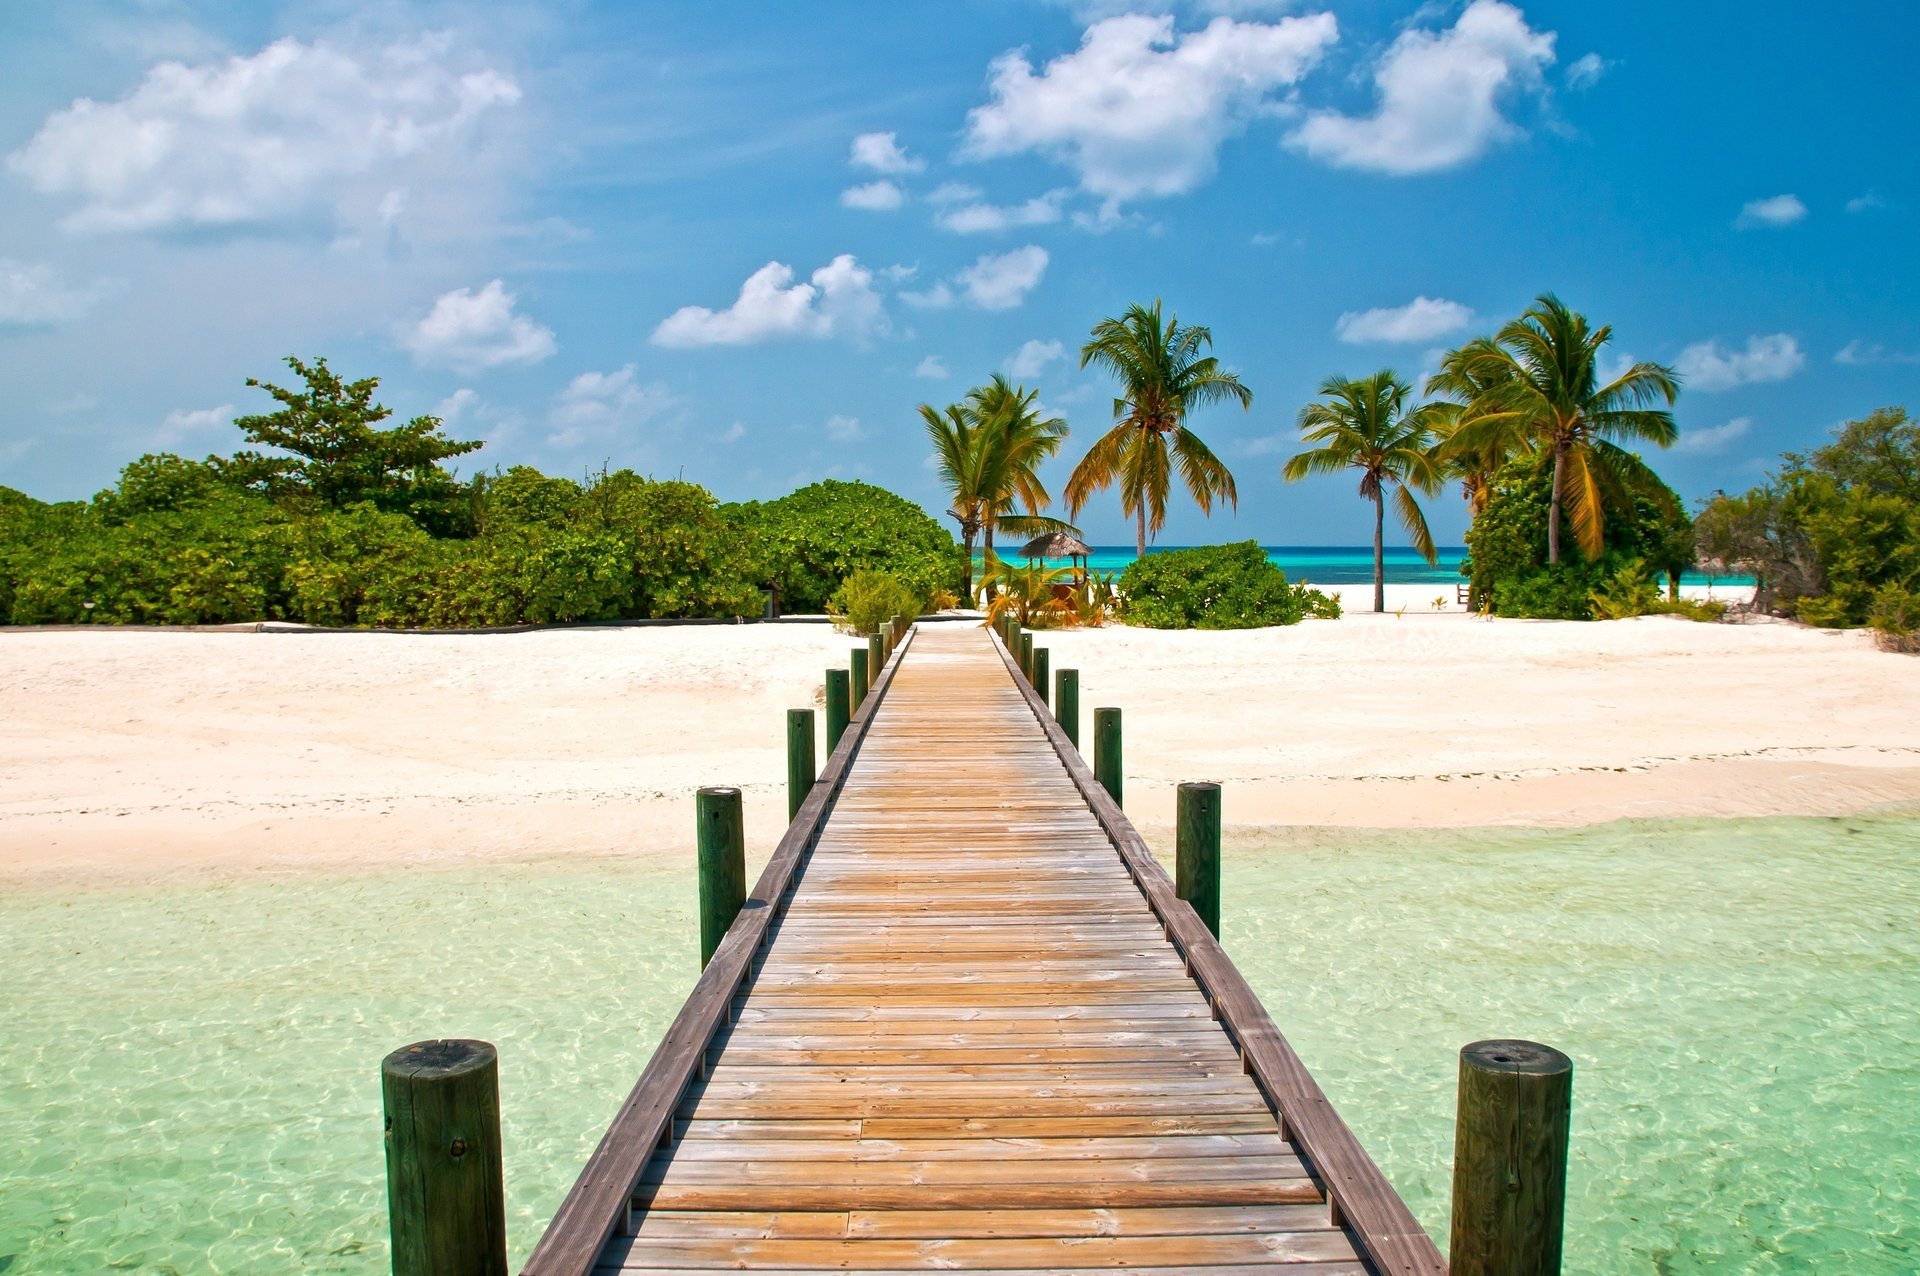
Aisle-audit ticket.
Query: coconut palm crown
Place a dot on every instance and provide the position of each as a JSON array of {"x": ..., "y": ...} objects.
[
  {"x": 1165, "y": 375},
  {"x": 987, "y": 452},
  {"x": 1540, "y": 375},
  {"x": 1365, "y": 424}
]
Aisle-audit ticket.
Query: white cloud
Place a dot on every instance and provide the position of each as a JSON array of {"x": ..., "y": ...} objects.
[
  {"x": 883, "y": 154},
  {"x": 1779, "y": 210},
  {"x": 1440, "y": 96},
  {"x": 1867, "y": 202},
  {"x": 955, "y": 193},
  {"x": 933, "y": 368},
  {"x": 1709, "y": 366},
  {"x": 1715, "y": 438},
  {"x": 469, "y": 331},
  {"x": 1033, "y": 357},
  {"x": 456, "y": 406},
  {"x": 597, "y": 404},
  {"x": 938, "y": 297},
  {"x": 1140, "y": 109},
  {"x": 837, "y": 301},
  {"x": 1860, "y": 354},
  {"x": 1268, "y": 445},
  {"x": 969, "y": 219},
  {"x": 1003, "y": 282},
  {"x": 875, "y": 197},
  {"x": 1585, "y": 72},
  {"x": 1422, "y": 319},
  {"x": 844, "y": 429},
  {"x": 34, "y": 295},
  {"x": 184, "y": 421},
  {"x": 257, "y": 138},
  {"x": 733, "y": 433}
]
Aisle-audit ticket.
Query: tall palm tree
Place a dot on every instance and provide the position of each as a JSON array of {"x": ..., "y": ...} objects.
[
  {"x": 1011, "y": 418},
  {"x": 969, "y": 468},
  {"x": 1541, "y": 375},
  {"x": 1366, "y": 425},
  {"x": 1165, "y": 376},
  {"x": 1467, "y": 374}
]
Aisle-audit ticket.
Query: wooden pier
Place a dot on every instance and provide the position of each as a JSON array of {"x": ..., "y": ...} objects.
[{"x": 963, "y": 1022}]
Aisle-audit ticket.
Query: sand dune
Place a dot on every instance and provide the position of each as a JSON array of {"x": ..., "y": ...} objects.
[{"x": 130, "y": 755}]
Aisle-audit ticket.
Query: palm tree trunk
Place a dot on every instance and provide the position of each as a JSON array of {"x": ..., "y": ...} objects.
[
  {"x": 966, "y": 570},
  {"x": 1140, "y": 536},
  {"x": 1379, "y": 553},
  {"x": 987, "y": 545},
  {"x": 1553, "y": 507}
]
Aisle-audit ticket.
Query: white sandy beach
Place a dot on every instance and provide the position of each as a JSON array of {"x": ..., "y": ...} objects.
[{"x": 131, "y": 755}]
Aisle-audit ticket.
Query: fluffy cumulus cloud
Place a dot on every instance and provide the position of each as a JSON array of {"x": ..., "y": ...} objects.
[
  {"x": 1141, "y": 109},
  {"x": 838, "y": 300},
  {"x": 182, "y": 422},
  {"x": 599, "y": 404},
  {"x": 1714, "y": 438},
  {"x": 256, "y": 138},
  {"x": 882, "y": 196},
  {"x": 975, "y": 216},
  {"x": 882, "y": 153},
  {"x": 1776, "y": 211},
  {"x": 844, "y": 429},
  {"x": 1003, "y": 282},
  {"x": 1441, "y": 96},
  {"x": 34, "y": 295},
  {"x": 1585, "y": 72},
  {"x": 1033, "y": 357},
  {"x": 1422, "y": 319},
  {"x": 933, "y": 368},
  {"x": 1709, "y": 366},
  {"x": 470, "y": 331},
  {"x": 1860, "y": 354}
]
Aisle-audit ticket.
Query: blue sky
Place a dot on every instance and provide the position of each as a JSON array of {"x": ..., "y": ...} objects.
[{"x": 741, "y": 242}]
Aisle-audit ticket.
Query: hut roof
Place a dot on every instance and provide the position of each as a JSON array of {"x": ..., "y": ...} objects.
[{"x": 1055, "y": 545}]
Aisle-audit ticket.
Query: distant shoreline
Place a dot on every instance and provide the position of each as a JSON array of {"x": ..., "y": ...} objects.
[{"x": 1344, "y": 564}]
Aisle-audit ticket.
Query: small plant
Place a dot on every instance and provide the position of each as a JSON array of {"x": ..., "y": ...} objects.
[
  {"x": 1440, "y": 603},
  {"x": 943, "y": 600},
  {"x": 867, "y": 600},
  {"x": 1895, "y": 619},
  {"x": 1027, "y": 593},
  {"x": 1706, "y": 610},
  {"x": 1627, "y": 593}
]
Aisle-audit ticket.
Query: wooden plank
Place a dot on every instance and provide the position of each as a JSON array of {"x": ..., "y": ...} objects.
[{"x": 974, "y": 1253}]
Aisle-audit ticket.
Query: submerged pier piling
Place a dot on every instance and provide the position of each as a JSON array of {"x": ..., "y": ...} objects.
[
  {"x": 720, "y": 834},
  {"x": 1197, "y": 851},
  {"x": 446, "y": 1197},
  {"x": 1510, "y": 1159}
]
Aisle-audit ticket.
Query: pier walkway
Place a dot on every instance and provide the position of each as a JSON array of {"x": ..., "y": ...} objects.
[{"x": 963, "y": 1023}]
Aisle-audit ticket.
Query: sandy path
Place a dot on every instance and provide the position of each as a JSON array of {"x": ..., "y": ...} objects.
[{"x": 130, "y": 755}]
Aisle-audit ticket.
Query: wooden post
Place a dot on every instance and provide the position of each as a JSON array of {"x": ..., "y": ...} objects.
[
  {"x": 876, "y": 653},
  {"x": 899, "y": 629},
  {"x": 1042, "y": 678},
  {"x": 1197, "y": 851},
  {"x": 839, "y": 707},
  {"x": 1510, "y": 1159},
  {"x": 446, "y": 1200},
  {"x": 801, "y": 768},
  {"x": 722, "y": 841},
  {"x": 863, "y": 667},
  {"x": 1026, "y": 654},
  {"x": 1066, "y": 703},
  {"x": 1107, "y": 766}
]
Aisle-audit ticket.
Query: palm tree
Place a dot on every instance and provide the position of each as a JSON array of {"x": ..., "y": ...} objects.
[
  {"x": 969, "y": 468},
  {"x": 1011, "y": 418},
  {"x": 1465, "y": 375},
  {"x": 1540, "y": 375},
  {"x": 1165, "y": 376},
  {"x": 1366, "y": 425}
]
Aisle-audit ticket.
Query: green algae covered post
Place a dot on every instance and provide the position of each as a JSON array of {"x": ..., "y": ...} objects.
[
  {"x": 446, "y": 1199},
  {"x": 1042, "y": 679},
  {"x": 1197, "y": 851},
  {"x": 720, "y": 834},
  {"x": 839, "y": 707},
  {"x": 1066, "y": 703},
  {"x": 1107, "y": 765},
  {"x": 801, "y": 767},
  {"x": 864, "y": 666},
  {"x": 1510, "y": 1159}
]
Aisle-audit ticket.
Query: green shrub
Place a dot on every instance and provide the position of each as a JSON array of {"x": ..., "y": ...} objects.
[
  {"x": 1895, "y": 619},
  {"x": 1216, "y": 587},
  {"x": 810, "y": 541},
  {"x": 1627, "y": 593},
  {"x": 866, "y": 601},
  {"x": 1706, "y": 610}
]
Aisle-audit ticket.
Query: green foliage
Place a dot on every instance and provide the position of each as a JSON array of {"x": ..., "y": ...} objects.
[
  {"x": 867, "y": 600},
  {"x": 811, "y": 540},
  {"x": 1706, "y": 610},
  {"x": 1216, "y": 587},
  {"x": 1627, "y": 593},
  {"x": 1895, "y": 618}
]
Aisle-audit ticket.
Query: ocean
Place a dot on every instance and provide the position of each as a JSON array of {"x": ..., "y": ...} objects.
[{"x": 1346, "y": 564}]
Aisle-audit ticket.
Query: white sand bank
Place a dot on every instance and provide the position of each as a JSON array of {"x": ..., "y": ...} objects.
[{"x": 129, "y": 755}]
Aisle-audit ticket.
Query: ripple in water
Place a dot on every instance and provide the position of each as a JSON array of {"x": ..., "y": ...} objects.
[{"x": 189, "y": 1075}]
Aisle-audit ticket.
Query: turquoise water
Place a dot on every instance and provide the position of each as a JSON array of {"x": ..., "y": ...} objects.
[
  {"x": 1344, "y": 565},
  {"x": 189, "y": 1074}
]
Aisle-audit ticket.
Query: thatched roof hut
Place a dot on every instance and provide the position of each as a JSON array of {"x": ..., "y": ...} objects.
[{"x": 1056, "y": 545}]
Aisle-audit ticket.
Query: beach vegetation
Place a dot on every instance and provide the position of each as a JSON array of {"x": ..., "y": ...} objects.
[
  {"x": 1539, "y": 378},
  {"x": 1036, "y": 595},
  {"x": 868, "y": 600},
  {"x": 1367, "y": 424},
  {"x": 1164, "y": 374},
  {"x": 810, "y": 541},
  {"x": 1216, "y": 587}
]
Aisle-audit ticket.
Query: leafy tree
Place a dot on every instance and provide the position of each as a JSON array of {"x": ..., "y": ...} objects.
[
  {"x": 1216, "y": 587},
  {"x": 1164, "y": 375},
  {"x": 1465, "y": 375},
  {"x": 1367, "y": 425},
  {"x": 1540, "y": 375},
  {"x": 988, "y": 451},
  {"x": 336, "y": 455},
  {"x": 810, "y": 541}
]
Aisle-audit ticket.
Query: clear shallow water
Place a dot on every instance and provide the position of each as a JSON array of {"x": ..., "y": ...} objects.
[
  {"x": 1340, "y": 564},
  {"x": 189, "y": 1076},
  {"x": 1741, "y": 1000}
]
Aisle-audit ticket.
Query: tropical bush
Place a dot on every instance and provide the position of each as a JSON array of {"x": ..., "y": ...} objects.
[
  {"x": 1895, "y": 619},
  {"x": 812, "y": 540},
  {"x": 867, "y": 600},
  {"x": 1216, "y": 587}
]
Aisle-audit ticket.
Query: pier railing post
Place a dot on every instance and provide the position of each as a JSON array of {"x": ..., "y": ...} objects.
[
  {"x": 1510, "y": 1159},
  {"x": 721, "y": 838},
  {"x": 1042, "y": 678},
  {"x": 1196, "y": 874},
  {"x": 863, "y": 667},
  {"x": 446, "y": 1198},
  {"x": 899, "y": 629},
  {"x": 876, "y": 653},
  {"x": 802, "y": 770},
  {"x": 1026, "y": 654},
  {"x": 839, "y": 706},
  {"x": 1066, "y": 703},
  {"x": 1107, "y": 765}
]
